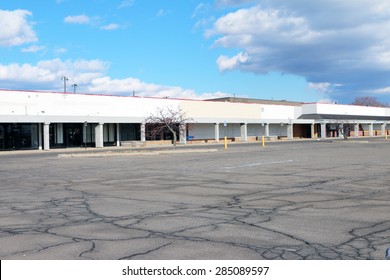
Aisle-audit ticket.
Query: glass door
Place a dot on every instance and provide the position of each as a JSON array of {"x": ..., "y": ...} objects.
[{"x": 73, "y": 135}]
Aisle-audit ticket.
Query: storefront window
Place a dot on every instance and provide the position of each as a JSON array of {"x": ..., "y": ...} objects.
[{"x": 16, "y": 136}]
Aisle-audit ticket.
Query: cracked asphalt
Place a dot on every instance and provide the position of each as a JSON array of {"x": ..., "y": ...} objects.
[{"x": 311, "y": 200}]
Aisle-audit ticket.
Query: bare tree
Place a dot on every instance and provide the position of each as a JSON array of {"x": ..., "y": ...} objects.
[
  {"x": 346, "y": 128},
  {"x": 168, "y": 118},
  {"x": 368, "y": 101}
]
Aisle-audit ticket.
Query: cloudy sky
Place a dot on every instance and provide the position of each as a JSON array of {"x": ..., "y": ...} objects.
[{"x": 300, "y": 50}]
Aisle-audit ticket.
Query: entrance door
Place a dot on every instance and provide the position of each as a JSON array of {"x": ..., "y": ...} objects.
[
  {"x": 302, "y": 131},
  {"x": 73, "y": 135}
]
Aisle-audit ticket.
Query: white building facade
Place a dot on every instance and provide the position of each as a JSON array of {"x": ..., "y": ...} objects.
[{"x": 46, "y": 120}]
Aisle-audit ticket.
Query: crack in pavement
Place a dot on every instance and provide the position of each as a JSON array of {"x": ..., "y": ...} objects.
[{"x": 185, "y": 206}]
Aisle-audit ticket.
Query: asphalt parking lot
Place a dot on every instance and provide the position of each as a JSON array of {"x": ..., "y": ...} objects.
[{"x": 296, "y": 200}]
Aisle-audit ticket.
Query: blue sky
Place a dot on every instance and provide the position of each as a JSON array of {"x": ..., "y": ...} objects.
[{"x": 299, "y": 50}]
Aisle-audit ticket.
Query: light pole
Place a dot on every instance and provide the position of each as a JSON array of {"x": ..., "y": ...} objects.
[
  {"x": 74, "y": 88},
  {"x": 64, "y": 79}
]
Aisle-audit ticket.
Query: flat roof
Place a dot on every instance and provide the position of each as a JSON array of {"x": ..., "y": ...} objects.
[
  {"x": 257, "y": 101},
  {"x": 343, "y": 117}
]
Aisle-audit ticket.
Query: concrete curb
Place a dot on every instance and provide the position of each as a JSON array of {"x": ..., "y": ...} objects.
[{"x": 135, "y": 153}]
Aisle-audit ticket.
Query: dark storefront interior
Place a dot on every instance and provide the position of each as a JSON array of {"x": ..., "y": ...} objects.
[{"x": 18, "y": 136}]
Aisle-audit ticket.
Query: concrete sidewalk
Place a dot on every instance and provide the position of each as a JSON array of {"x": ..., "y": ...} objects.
[{"x": 219, "y": 145}]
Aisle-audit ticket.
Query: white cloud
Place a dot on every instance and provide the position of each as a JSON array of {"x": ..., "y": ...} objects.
[
  {"x": 223, "y": 3},
  {"x": 202, "y": 15},
  {"x": 250, "y": 27},
  {"x": 201, "y": 8},
  {"x": 126, "y": 3},
  {"x": 329, "y": 42},
  {"x": 16, "y": 73},
  {"x": 111, "y": 26},
  {"x": 203, "y": 22},
  {"x": 89, "y": 65},
  {"x": 33, "y": 49},
  {"x": 321, "y": 87},
  {"x": 60, "y": 51},
  {"x": 94, "y": 21},
  {"x": 327, "y": 101},
  {"x": 228, "y": 63},
  {"x": 325, "y": 90},
  {"x": 79, "y": 19},
  {"x": 162, "y": 13},
  {"x": 126, "y": 86},
  {"x": 90, "y": 76},
  {"x": 15, "y": 28},
  {"x": 46, "y": 74},
  {"x": 385, "y": 90},
  {"x": 211, "y": 95}
]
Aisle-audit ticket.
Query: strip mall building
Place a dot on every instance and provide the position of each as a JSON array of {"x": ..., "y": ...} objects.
[{"x": 46, "y": 120}]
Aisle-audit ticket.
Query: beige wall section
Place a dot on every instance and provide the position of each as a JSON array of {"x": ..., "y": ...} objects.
[{"x": 199, "y": 110}]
